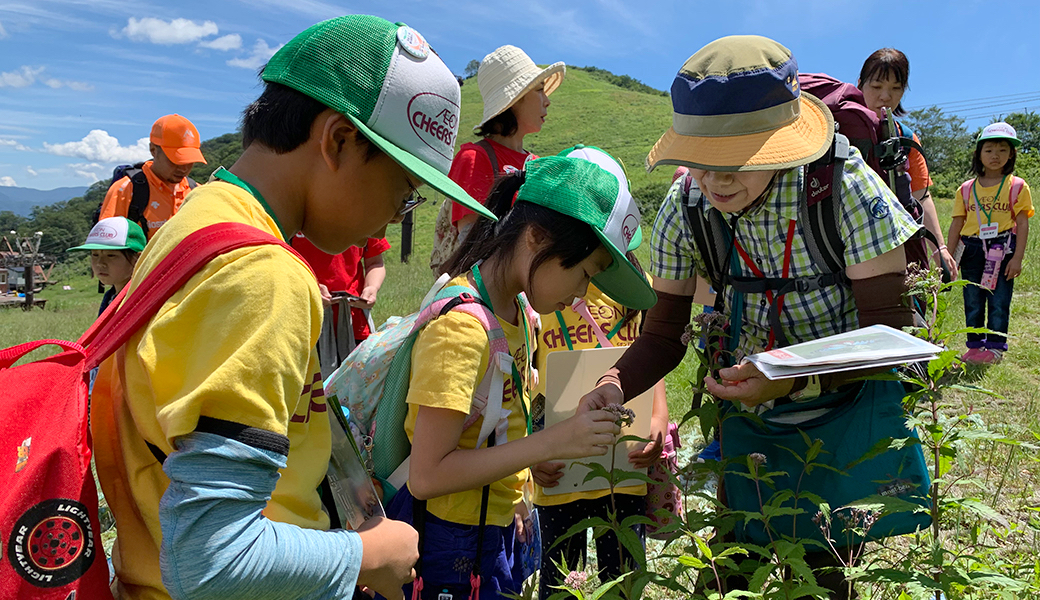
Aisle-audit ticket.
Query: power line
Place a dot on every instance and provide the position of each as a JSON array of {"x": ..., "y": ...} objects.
[{"x": 974, "y": 100}]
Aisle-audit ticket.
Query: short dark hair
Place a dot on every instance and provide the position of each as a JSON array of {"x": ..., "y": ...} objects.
[
  {"x": 976, "y": 161},
  {"x": 503, "y": 124},
  {"x": 570, "y": 240},
  {"x": 883, "y": 62},
  {"x": 281, "y": 119}
]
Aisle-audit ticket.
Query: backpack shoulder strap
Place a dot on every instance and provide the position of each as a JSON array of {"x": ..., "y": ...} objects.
[
  {"x": 820, "y": 216},
  {"x": 1017, "y": 183},
  {"x": 707, "y": 233},
  {"x": 965, "y": 191},
  {"x": 490, "y": 150},
  {"x": 122, "y": 319},
  {"x": 139, "y": 198}
]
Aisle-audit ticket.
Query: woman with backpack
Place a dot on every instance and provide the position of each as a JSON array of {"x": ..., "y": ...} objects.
[
  {"x": 883, "y": 79},
  {"x": 569, "y": 226},
  {"x": 746, "y": 131},
  {"x": 516, "y": 101}
]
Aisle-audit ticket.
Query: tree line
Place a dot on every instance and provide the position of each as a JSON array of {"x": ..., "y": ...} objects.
[{"x": 946, "y": 139}]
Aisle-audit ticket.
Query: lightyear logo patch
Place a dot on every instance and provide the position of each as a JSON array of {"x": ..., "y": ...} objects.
[{"x": 52, "y": 544}]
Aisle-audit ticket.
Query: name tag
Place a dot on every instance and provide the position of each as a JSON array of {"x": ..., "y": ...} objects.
[{"x": 988, "y": 232}]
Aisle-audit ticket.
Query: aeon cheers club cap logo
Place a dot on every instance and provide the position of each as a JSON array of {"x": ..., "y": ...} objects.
[{"x": 435, "y": 119}]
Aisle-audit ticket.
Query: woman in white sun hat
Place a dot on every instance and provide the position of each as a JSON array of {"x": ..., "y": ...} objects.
[{"x": 516, "y": 100}]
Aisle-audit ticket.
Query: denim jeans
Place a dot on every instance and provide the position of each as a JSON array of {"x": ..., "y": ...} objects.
[{"x": 982, "y": 307}]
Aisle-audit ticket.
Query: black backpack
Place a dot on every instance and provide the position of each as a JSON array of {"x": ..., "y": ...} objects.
[
  {"x": 141, "y": 193},
  {"x": 818, "y": 213}
]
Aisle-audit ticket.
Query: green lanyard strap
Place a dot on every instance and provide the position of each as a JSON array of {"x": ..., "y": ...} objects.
[
  {"x": 567, "y": 334},
  {"x": 978, "y": 205},
  {"x": 228, "y": 177},
  {"x": 485, "y": 297}
]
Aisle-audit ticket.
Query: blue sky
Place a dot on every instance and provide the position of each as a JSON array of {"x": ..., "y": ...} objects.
[{"x": 81, "y": 81}]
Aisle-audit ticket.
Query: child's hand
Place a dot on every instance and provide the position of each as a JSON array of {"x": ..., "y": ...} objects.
[
  {"x": 547, "y": 474},
  {"x": 524, "y": 523},
  {"x": 390, "y": 550},
  {"x": 366, "y": 299},
  {"x": 1014, "y": 267},
  {"x": 746, "y": 384},
  {"x": 326, "y": 297},
  {"x": 642, "y": 458},
  {"x": 583, "y": 435}
]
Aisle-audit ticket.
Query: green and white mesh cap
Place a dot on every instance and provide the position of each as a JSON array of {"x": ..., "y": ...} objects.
[
  {"x": 582, "y": 189},
  {"x": 114, "y": 233},
  {"x": 613, "y": 166},
  {"x": 387, "y": 80}
]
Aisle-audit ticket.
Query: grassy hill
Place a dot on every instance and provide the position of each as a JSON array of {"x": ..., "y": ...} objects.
[{"x": 591, "y": 107}]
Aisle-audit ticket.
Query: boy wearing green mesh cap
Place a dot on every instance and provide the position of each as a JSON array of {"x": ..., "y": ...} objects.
[{"x": 213, "y": 440}]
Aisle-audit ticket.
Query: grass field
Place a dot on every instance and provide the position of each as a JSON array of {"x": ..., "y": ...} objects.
[{"x": 1010, "y": 478}]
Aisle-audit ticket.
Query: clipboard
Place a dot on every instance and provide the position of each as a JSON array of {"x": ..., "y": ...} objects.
[{"x": 569, "y": 376}]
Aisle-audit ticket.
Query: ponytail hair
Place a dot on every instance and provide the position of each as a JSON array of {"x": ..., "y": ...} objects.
[{"x": 570, "y": 240}]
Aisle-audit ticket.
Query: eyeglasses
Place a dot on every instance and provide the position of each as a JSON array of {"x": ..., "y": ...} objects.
[{"x": 414, "y": 199}]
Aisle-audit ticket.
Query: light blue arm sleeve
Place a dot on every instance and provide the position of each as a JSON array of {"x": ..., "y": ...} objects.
[{"x": 217, "y": 544}]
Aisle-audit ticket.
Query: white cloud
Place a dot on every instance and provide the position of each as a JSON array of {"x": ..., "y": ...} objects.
[
  {"x": 177, "y": 31},
  {"x": 224, "y": 43},
  {"x": 20, "y": 78},
  {"x": 258, "y": 58},
  {"x": 7, "y": 181},
  {"x": 31, "y": 171},
  {"x": 26, "y": 76},
  {"x": 79, "y": 86},
  {"x": 89, "y": 171},
  {"x": 100, "y": 146},
  {"x": 3, "y": 32},
  {"x": 15, "y": 144}
]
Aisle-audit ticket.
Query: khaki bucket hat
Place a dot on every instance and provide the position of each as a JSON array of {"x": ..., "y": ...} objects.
[
  {"x": 738, "y": 107},
  {"x": 507, "y": 74}
]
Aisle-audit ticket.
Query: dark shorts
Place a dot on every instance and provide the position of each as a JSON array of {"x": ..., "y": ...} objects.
[{"x": 448, "y": 551}]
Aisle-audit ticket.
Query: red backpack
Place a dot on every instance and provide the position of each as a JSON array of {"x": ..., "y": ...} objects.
[{"x": 50, "y": 538}]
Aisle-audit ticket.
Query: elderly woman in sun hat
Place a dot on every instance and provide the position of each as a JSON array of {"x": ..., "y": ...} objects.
[
  {"x": 516, "y": 100},
  {"x": 747, "y": 135}
]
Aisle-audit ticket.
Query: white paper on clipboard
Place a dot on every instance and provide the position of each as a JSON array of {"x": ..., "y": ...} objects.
[{"x": 569, "y": 376}]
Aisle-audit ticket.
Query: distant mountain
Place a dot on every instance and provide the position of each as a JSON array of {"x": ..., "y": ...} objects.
[{"x": 21, "y": 200}]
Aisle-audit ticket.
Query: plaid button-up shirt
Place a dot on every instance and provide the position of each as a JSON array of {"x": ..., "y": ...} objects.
[{"x": 872, "y": 222}]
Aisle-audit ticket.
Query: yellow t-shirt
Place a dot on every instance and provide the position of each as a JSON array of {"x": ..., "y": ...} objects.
[
  {"x": 999, "y": 210},
  {"x": 449, "y": 359},
  {"x": 235, "y": 343},
  {"x": 551, "y": 338}
]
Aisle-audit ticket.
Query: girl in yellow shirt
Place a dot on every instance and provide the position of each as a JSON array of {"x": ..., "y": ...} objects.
[{"x": 570, "y": 225}]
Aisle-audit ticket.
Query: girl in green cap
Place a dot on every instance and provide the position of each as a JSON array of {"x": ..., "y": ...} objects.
[
  {"x": 114, "y": 244},
  {"x": 993, "y": 240},
  {"x": 569, "y": 226}
]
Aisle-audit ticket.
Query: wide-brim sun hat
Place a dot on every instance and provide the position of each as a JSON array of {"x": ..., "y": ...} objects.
[
  {"x": 507, "y": 75},
  {"x": 1000, "y": 131},
  {"x": 387, "y": 80},
  {"x": 582, "y": 189},
  {"x": 738, "y": 107},
  {"x": 114, "y": 233},
  {"x": 613, "y": 166}
]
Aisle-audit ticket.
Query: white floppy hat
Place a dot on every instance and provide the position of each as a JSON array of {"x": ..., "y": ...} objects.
[{"x": 507, "y": 74}]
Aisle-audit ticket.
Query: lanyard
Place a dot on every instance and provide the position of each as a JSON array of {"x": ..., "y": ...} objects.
[
  {"x": 978, "y": 206},
  {"x": 228, "y": 177},
  {"x": 567, "y": 335},
  {"x": 485, "y": 297},
  {"x": 758, "y": 273}
]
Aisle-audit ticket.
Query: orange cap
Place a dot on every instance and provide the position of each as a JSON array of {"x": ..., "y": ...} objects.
[{"x": 178, "y": 138}]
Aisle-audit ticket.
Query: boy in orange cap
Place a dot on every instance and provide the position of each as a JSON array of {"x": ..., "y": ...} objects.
[{"x": 174, "y": 144}]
